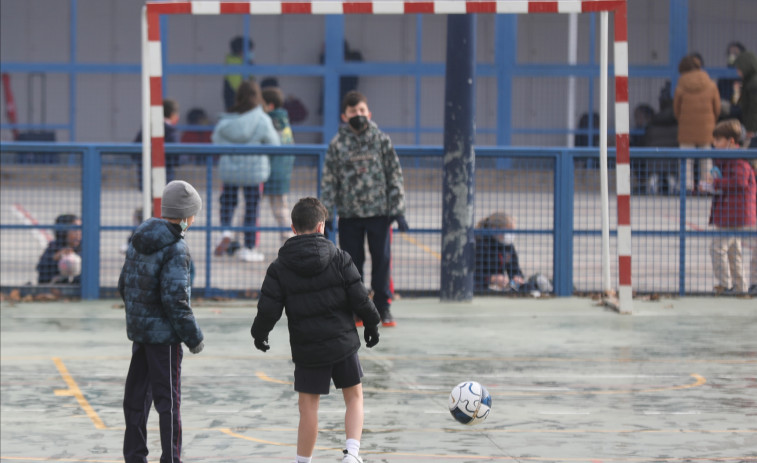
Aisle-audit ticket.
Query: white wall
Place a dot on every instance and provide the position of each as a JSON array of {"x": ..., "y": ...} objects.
[{"x": 107, "y": 105}]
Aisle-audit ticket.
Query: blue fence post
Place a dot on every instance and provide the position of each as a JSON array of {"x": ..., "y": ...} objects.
[
  {"x": 682, "y": 227},
  {"x": 209, "y": 219},
  {"x": 563, "y": 218},
  {"x": 333, "y": 57},
  {"x": 90, "y": 218}
]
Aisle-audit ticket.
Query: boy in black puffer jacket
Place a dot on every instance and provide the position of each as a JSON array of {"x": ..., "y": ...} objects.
[
  {"x": 321, "y": 290},
  {"x": 155, "y": 287}
]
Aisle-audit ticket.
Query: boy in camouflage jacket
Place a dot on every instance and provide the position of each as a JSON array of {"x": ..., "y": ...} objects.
[{"x": 362, "y": 178}]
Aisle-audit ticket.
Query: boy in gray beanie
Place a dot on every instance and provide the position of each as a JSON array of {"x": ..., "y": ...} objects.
[{"x": 155, "y": 287}]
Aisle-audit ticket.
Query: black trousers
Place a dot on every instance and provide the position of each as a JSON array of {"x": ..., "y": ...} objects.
[
  {"x": 352, "y": 235},
  {"x": 154, "y": 376}
]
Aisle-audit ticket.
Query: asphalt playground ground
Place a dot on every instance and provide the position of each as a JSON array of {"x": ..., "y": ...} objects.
[{"x": 571, "y": 381}]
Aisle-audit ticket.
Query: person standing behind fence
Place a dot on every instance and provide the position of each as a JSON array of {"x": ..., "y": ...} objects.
[
  {"x": 245, "y": 124},
  {"x": 154, "y": 285},
  {"x": 696, "y": 105},
  {"x": 170, "y": 119},
  {"x": 277, "y": 185},
  {"x": 746, "y": 66},
  {"x": 733, "y": 208},
  {"x": 231, "y": 82},
  {"x": 67, "y": 241},
  {"x": 362, "y": 178}
]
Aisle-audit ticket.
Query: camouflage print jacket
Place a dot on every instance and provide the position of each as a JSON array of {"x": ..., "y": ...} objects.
[
  {"x": 362, "y": 176},
  {"x": 154, "y": 285}
]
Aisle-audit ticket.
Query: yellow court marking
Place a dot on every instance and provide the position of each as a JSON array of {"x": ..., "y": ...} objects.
[
  {"x": 415, "y": 242},
  {"x": 231, "y": 433},
  {"x": 267, "y": 378},
  {"x": 73, "y": 390}
]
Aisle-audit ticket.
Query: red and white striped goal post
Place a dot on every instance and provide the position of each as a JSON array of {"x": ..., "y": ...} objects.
[{"x": 152, "y": 78}]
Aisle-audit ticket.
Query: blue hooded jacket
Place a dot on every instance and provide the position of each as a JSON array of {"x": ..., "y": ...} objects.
[{"x": 155, "y": 286}]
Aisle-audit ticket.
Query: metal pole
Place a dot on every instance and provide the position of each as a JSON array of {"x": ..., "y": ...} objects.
[
  {"x": 572, "y": 60},
  {"x": 146, "y": 135},
  {"x": 603, "y": 59},
  {"x": 458, "y": 246}
]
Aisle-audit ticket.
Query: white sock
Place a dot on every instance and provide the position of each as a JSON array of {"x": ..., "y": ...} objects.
[
  {"x": 353, "y": 446},
  {"x": 300, "y": 459}
]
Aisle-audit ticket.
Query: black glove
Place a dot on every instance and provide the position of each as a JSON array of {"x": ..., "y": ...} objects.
[
  {"x": 262, "y": 344},
  {"x": 198, "y": 348},
  {"x": 371, "y": 336},
  {"x": 401, "y": 223}
]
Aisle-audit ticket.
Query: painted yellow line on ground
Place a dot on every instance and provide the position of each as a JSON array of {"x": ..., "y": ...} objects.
[
  {"x": 73, "y": 390},
  {"x": 231, "y": 433},
  {"x": 265, "y": 377},
  {"x": 415, "y": 242}
]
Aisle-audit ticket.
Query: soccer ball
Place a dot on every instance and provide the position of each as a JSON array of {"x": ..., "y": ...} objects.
[
  {"x": 470, "y": 403},
  {"x": 70, "y": 265}
]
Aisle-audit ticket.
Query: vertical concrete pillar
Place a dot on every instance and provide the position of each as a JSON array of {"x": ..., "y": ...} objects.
[{"x": 458, "y": 246}]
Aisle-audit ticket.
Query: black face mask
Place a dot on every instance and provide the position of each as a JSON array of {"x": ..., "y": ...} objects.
[{"x": 359, "y": 123}]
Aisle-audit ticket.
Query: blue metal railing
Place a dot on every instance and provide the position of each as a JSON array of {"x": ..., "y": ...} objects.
[{"x": 561, "y": 161}]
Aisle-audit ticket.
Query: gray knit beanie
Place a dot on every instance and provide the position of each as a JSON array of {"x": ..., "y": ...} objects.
[{"x": 180, "y": 200}]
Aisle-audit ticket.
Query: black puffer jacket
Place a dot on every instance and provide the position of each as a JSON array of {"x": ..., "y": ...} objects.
[
  {"x": 321, "y": 290},
  {"x": 154, "y": 285}
]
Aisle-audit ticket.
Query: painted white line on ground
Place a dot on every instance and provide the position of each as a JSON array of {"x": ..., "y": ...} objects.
[
  {"x": 558, "y": 412},
  {"x": 42, "y": 236},
  {"x": 659, "y": 412}
]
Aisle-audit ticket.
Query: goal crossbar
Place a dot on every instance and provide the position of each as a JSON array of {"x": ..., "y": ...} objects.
[{"x": 153, "y": 165}]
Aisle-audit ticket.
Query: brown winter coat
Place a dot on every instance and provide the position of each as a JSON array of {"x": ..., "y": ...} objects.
[{"x": 696, "y": 105}]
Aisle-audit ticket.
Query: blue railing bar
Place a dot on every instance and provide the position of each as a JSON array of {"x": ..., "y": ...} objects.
[
  {"x": 84, "y": 68},
  {"x": 90, "y": 218},
  {"x": 349, "y": 68},
  {"x": 23, "y": 126}
]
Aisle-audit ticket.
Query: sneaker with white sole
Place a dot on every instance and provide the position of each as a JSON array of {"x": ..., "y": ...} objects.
[
  {"x": 251, "y": 255},
  {"x": 350, "y": 458}
]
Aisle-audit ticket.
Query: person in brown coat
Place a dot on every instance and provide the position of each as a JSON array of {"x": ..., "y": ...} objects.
[{"x": 696, "y": 105}]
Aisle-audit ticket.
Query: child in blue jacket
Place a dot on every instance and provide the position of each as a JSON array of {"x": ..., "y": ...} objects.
[{"x": 155, "y": 287}]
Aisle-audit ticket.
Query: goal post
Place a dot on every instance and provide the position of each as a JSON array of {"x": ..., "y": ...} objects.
[{"x": 153, "y": 154}]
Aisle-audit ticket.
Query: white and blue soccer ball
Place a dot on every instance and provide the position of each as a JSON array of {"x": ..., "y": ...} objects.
[{"x": 470, "y": 403}]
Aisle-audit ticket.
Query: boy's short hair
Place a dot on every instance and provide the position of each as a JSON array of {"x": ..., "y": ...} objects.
[
  {"x": 353, "y": 98},
  {"x": 307, "y": 213},
  {"x": 170, "y": 107},
  {"x": 729, "y": 128},
  {"x": 273, "y": 95}
]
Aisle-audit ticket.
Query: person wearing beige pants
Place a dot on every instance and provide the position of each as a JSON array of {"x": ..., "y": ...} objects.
[
  {"x": 734, "y": 209},
  {"x": 727, "y": 264}
]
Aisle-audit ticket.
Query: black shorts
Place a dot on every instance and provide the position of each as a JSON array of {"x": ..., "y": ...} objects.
[{"x": 316, "y": 380}]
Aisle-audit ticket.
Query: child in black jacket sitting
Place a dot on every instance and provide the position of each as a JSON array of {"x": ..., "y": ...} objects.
[
  {"x": 497, "y": 266},
  {"x": 322, "y": 292}
]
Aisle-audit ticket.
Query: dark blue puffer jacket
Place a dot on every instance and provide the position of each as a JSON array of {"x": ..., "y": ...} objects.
[{"x": 154, "y": 285}]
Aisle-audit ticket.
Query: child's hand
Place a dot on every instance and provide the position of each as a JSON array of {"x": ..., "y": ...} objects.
[
  {"x": 371, "y": 335},
  {"x": 198, "y": 348},
  {"x": 262, "y": 344}
]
